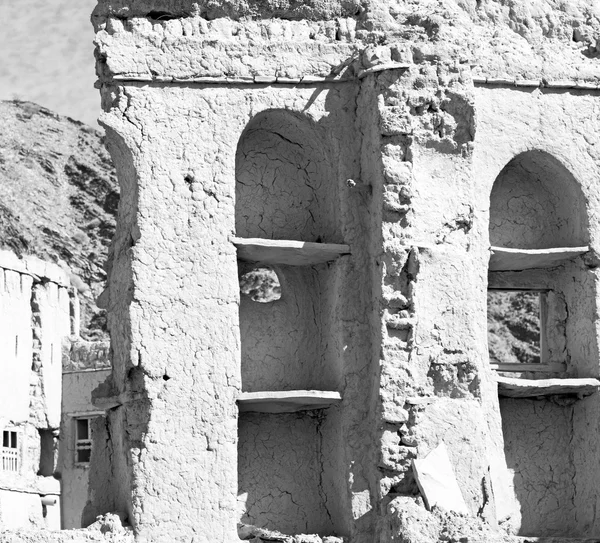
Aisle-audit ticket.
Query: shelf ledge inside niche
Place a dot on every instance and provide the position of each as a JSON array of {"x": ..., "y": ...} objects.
[
  {"x": 506, "y": 259},
  {"x": 290, "y": 252},
  {"x": 287, "y": 401},
  {"x": 530, "y": 388},
  {"x": 521, "y": 367}
]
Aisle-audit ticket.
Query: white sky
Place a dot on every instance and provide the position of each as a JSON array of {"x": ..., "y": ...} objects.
[{"x": 47, "y": 56}]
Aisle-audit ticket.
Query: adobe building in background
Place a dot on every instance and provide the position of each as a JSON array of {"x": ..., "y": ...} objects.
[
  {"x": 46, "y": 414},
  {"x": 35, "y": 317},
  {"x": 384, "y": 165},
  {"x": 85, "y": 365}
]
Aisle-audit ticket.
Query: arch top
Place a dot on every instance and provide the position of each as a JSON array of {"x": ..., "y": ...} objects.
[
  {"x": 537, "y": 203},
  {"x": 286, "y": 185}
]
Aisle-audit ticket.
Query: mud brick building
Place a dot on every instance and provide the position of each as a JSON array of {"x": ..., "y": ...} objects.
[
  {"x": 389, "y": 163},
  {"x": 48, "y": 373}
]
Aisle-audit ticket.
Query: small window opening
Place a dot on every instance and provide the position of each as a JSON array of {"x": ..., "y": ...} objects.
[
  {"x": 515, "y": 326},
  {"x": 83, "y": 441},
  {"x": 10, "y": 451}
]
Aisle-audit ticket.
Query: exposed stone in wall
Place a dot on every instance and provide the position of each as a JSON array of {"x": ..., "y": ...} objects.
[
  {"x": 539, "y": 40},
  {"x": 430, "y": 371}
]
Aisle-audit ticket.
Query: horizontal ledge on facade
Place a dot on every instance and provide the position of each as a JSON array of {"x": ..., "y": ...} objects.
[
  {"x": 532, "y": 388},
  {"x": 508, "y": 259},
  {"x": 288, "y": 401},
  {"x": 517, "y": 367},
  {"x": 288, "y": 252},
  {"x": 383, "y": 68},
  {"x": 535, "y": 83},
  {"x": 256, "y": 80}
]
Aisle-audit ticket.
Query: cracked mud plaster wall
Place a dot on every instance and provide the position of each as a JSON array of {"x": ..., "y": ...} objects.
[
  {"x": 174, "y": 265},
  {"x": 538, "y": 446},
  {"x": 283, "y": 480},
  {"x": 532, "y": 119},
  {"x": 286, "y": 186},
  {"x": 291, "y": 344},
  {"x": 536, "y": 203}
]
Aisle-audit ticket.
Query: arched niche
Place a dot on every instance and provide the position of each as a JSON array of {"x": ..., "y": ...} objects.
[
  {"x": 536, "y": 203},
  {"x": 285, "y": 187}
]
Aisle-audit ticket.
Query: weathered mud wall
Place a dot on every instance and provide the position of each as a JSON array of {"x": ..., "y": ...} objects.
[
  {"x": 288, "y": 122},
  {"x": 335, "y": 334}
]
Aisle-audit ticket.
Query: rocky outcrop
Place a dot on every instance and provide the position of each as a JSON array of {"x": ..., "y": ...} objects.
[{"x": 59, "y": 198}]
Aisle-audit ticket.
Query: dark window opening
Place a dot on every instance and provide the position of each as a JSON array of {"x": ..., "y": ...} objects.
[{"x": 83, "y": 441}]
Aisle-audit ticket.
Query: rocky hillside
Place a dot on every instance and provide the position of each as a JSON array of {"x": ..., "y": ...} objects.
[
  {"x": 58, "y": 198},
  {"x": 514, "y": 327}
]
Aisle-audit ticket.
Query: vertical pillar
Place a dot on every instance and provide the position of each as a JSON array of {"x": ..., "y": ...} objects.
[{"x": 173, "y": 318}]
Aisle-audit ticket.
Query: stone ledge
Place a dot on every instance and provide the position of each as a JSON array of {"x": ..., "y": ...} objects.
[{"x": 533, "y": 388}]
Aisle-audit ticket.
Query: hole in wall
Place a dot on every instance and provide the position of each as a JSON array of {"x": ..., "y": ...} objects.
[
  {"x": 165, "y": 377},
  {"x": 261, "y": 284}
]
